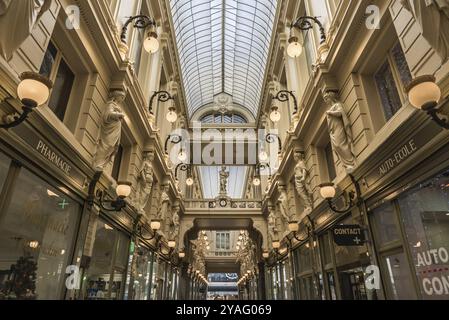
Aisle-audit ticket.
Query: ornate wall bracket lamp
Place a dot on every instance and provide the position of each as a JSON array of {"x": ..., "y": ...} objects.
[
  {"x": 283, "y": 96},
  {"x": 33, "y": 91},
  {"x": 187, "y": 168},
  {"x": 424, "y": 94},
  {"x": 123, "y": 191},
  {"x": 151, "y": 43},
  {"x": 173, "y": 138},
  {"x": 162, "y": 96},
  {"x": 295, "y": 48},
  {"x": 260, "y": 167},
  {"x": 328, "y": 192}
]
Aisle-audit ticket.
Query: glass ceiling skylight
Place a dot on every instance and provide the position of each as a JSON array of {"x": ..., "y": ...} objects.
[{"x": 223, "y": 47}]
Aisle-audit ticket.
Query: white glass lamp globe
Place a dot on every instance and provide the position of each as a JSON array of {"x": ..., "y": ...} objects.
[
  {"x": 263, "y": 156},
  {"x": 172, "y": 116},
  {"x": 424, "y": 93},
  {"x": 276, "y": 244},
  {"x": 327, "y": 191},
  {"x": 265, "y": 255},
  {"x": 189, "y": 182},
  {"x": 181, "y": 255},
  {"x": 155, "y": 225},
  {"x": 293, "y": 226},
  {"x": 151, "y": 43},
  {"x": 171, "y": 243},
  {"x": 256, "y": 181},
  {"x": 34, "y": 87},
  {"x": 294, "y": 49},
  {"x": 182, "y": 156},
  {"x": 275, "y": 115},
  {"x": 123, "y": 189}
]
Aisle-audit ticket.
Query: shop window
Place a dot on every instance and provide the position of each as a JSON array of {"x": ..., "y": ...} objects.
[
  {"x": 330, "y": 163},
  {"x": 115, "y": 173},
  {"x": 4, "y": 168},
  {"x": 104, "y": 278},
  {"x": 399, "y": 277},
  {"x": 352, "y": 283},
  {"x": 37, "y": 233},
  {"x": 385, "y": 225},
  {"x": 425, "y": 217},
  {"x": 331, "y": 285},
  {"x": 325, "y": 248},
  {"x": 56, "y": 69},
  {"x": 391, "y": 77},
  {"x": 141, "y": 279}
]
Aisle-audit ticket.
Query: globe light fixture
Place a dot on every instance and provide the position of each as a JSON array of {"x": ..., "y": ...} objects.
[
  {"x": 33, "y": 91},
  {"x": 171, "y": 116},
  {"x": 155, "y": 225},
  {"x": 327, "y": 191},
  {"x": 123, "y": 190},
  {"x": 293, "y": 226},
  {"x": 294, "y": 49},
  {"x": 276, "y": 244},
  {"x": 171, "y": 244},
  {"x": 181, "y": 254},
  {"x": 424, "y": 94},
  {"x": 263, "y": 156},
  {"x": 182, "y": 155},
  {"x": 189, "y": 181},
  {"x": 256, "y": 181},
  {"x": 151, "y": 43},
  {"x": 265, "y": 254},
  {"x": 275, "y": 115}
]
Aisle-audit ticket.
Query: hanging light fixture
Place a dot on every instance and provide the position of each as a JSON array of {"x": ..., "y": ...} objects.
[
  {"x": 275, "y": 115},
  {"x": 151, "y": 43},
  {"x": 172, "y": 116}
]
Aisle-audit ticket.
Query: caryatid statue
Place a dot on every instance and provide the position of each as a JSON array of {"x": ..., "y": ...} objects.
[
  {"x": 164, "y": 200},
  {"x": 272, "y": 224},
  {"x": 283, "y": 205},
  {"x": 174, "y": 230},
  {"x": 224, "y": 175},
  {"x": 17, "y": 21},
  {"x": 301, "y": 185},
  {"x": 110, "y": 130},
  {"x": 433, "y": 19},
  {"x": 340, "y": 130},
  {"x": 145, "y": 181}
]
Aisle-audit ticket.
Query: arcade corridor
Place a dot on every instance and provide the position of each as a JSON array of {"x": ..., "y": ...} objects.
[{"x": 230, "y": 150}]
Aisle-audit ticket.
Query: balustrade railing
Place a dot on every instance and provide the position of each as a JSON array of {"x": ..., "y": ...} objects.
[{"x": 223, "y": 204}]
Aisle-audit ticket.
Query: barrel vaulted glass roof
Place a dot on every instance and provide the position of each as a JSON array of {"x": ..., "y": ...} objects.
[{"x": 223, "y": 47}]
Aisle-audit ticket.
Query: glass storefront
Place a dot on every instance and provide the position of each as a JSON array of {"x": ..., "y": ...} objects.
[
  {"x": 38, "y": 225},
  {"x": 415, "y": 227},
  {"x": 104, "y": 279},
  {"x": 143, "y": 275}
]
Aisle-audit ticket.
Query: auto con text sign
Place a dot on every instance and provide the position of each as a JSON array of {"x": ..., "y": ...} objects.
[{"x": 348, "y": 235}]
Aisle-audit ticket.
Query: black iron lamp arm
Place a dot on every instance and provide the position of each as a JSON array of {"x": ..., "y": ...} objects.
[
  {"x": 140, "y": 22},
  {"x": 353, "y": 195},
  {"x": 306, "y": 23},
  {"x": 183, "y": 167},
  {"x": 163, "y": 96},
  {"x": 116, "y": 205},
  {"x": 272, "y": 138},
  {"x": 433, "y": 112},
  {"x": 284, "y": 96},
  {"x": 261, "y": 167},
  {"x": 28, "y": 106},
  {"x": 309, "y": 231},
  {"x": 173, "y": 138}
]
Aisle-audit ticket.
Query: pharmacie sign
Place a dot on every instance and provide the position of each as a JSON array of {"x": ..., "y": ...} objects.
[
  {"x": 348, "y": 235},
  {"x": 50, "y": 154},
  {"x": 432, "y": 269}
]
